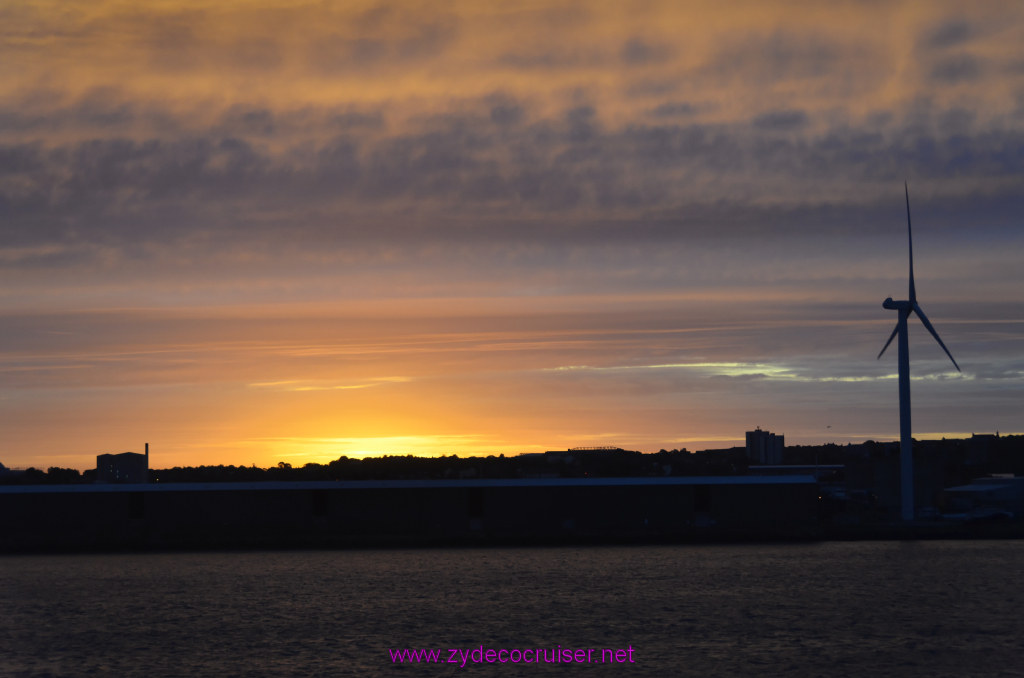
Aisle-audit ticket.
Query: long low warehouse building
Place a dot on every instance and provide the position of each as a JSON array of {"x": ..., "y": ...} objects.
[{"x": 398, "y": 513}]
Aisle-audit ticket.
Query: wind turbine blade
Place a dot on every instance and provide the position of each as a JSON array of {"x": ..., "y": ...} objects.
[
  {"x": 891, "y": 337},
  {"x": 910, "y": 243},
  {"x": 928, "y": 326}
]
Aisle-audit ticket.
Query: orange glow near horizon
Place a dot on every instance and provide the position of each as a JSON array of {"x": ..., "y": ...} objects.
[{"x": 259, "y": 231}]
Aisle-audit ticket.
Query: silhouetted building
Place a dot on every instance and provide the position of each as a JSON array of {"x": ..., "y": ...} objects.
[
  {"x": 7, "y": 474},
  {"x": 980, "y": 447},
  {"x": 764, "y": 447},
  {"x": 984, "y": 497},
  {"x": 127, "y": 467}
]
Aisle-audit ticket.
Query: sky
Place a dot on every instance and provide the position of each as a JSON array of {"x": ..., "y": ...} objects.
[{"x": 255, "y": 232}]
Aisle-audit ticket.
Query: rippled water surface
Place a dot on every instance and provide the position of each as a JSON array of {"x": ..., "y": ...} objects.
[{"x": 830, "y": 609}]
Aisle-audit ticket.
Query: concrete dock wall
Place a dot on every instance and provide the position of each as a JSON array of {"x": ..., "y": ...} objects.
[{"x": 403, "y": 513}]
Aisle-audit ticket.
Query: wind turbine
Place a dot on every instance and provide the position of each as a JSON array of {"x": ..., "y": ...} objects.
[{"x": 905, "y": 308}]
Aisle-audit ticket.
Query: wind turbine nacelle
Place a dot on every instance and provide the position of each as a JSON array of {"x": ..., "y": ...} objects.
[{"x": 898, "y": 305}]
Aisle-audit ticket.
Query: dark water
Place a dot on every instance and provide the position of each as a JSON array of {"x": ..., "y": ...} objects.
[{"x": 831, "y": 609}]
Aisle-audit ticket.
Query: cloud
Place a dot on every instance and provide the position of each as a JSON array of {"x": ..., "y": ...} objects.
[
  {"x": 507, "y": 113},
  {"x": 951, "y": 33},
  {"x": 781, "y": 120},
  {"x": 638, "y": 52},
  {"x": 381, "y": 49},
  {"x": 957, "y": 68},
  {"x": 470, "y": 161},
  {"x": 210, "y": 197},
  {"x": 674, "y": 109},
  {"x": 787, "y": 55},
  {"x": 553, "y": 59},
  {"x": 301, "y": 386}
]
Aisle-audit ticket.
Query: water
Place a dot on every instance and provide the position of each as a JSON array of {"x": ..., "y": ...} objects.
[{"x": 829, "y": 609}]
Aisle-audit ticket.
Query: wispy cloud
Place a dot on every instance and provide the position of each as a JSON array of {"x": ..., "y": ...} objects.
[
  {"x": 763, "y": 371},
  {"x": 299, "y": 386}
]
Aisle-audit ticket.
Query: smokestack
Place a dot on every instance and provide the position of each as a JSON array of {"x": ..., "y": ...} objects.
[{"x": 147, "y": 454}]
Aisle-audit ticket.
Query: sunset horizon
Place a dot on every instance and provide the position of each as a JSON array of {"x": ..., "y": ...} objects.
[{"x": 264, "y": 232}]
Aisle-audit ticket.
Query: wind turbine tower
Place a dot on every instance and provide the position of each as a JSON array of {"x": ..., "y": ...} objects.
[{"x": 905, "y": 308}]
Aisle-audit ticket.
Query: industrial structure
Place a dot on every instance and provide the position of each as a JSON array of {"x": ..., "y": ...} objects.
[{"x": 127, "y": 467}]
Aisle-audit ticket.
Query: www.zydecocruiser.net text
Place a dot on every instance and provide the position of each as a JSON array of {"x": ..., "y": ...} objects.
[{"x": 529, "y": 655}]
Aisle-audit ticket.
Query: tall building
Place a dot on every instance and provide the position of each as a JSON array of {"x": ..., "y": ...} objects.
[
  {"x": 127, "y": 467},
  {"x": 764, "y": 447}
]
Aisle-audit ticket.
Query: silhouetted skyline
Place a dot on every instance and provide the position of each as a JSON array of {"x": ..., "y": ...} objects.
[{"x": 262, "y": 233}]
